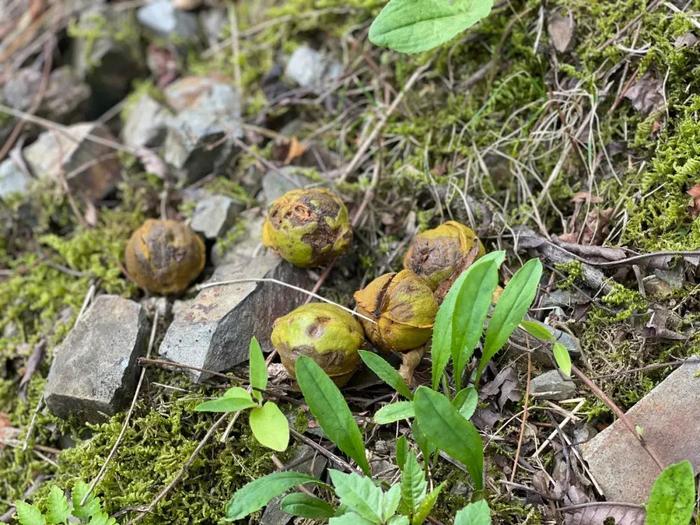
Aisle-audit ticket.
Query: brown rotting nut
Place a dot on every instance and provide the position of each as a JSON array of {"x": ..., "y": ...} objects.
[{"x": 164, "y": 256}]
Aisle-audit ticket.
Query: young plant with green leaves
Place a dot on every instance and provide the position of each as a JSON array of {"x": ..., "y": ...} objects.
[
  {"x": 59, "y": 510},
  {"x": 267, "y": 422},
  {"x": 559, "y": 351},
  {"x": 413, "y": 26},
  {"x": 361, "y": 500}
]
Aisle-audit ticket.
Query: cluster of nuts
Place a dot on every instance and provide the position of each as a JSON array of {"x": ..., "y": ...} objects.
[{"x": 310, "y": 228}]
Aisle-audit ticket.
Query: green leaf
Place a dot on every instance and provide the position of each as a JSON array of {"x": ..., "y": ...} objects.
[
  {"x": 537, "y": 330},
  {"x": 413, "y": 485},
  {"x": 398, "y": 520},
  {"x": 562, "y": 357},
  {"x": 466, "y": 401},
  {"x": 258, "y": 369},
  {"x": 426, "y": 506},
  {"x": 350, "y": 518},
  {"x": 270, "y": 426},
  {"x": 255, "y": 495},
  {"x": 359, "y": 494},
  {"x": 28, "y": 514},
  {"x": 238, "y": 393},
  {"x": 426, "y": 446},
  {"x": 305, "y": 506},
  {"x": 471, "y": 308},
  {"x": 443, "y": 335},
  {"x": 386, "y": 373},
  {"x": 401, "y": 451},
  {"x": 477, "y": 513},
  {"x": 57, "y": 507},
  {"x": 331, "y": 411},
  {"x": 413, "y": 26},
  {"x": 448, "y": 430},
  {"x": 390, "y": 502},
  {"x": 510, "y": 310},
  {"x": 394, "y": 412},
  {"x": 102, "y": 518},
  {"x": 672, "y": 497},
  {"x": 225, "y": 404},
  {"x": 92, "y": 504}
]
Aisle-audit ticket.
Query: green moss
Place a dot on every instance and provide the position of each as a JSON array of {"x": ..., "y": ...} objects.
[{"x": 572, "y": 271}]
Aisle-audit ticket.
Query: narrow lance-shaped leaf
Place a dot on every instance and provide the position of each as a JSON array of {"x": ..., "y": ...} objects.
[
  {"x": 512, "y": 306},
  {"x": 386, "y": 373},
  {"x": 258, "y": 493},
  {"x": 537, "y": 330},
  {"x": 331, "y": 411},
  {"x": 443, "y": 331},
  {"x": 426, "y": 506},
  {"x": 412, "y": 26},
  {"x": 471, "y": 308},
  {"x": 672, "y": 498},
  {"x": 563, "y": 359},
  {"x": 448, "y": 430},
  {"x": 258, "y": 369},
  {"x": 466, "y": 401}
]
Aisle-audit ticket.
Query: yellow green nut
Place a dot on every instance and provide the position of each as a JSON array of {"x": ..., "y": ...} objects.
[
  {"x": 404, "y": 308},
  {"x": 308, "y": 228},
  {"x": 442, "y": 253},
  {"x": 324, "y": 332},
  {"x": 164, "y": 256}
]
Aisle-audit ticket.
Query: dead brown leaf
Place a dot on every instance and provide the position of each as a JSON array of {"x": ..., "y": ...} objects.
[
  {"x": 561, "y": 31},
  {"x": 295, "y": 150},
  {"x": 646, "y": 94},
  {"x": 694, "y": 206},
  {"x": 599, "y": 513}
]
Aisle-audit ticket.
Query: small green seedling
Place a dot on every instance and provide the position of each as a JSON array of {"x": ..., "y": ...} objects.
[
  {"x": 58, "y": 510},
  {"x": 561, "y": 354},
  {"x": 267, "y": 422},
  {"x": 413, "y": 26},
  {"x": 672, "y": 498}
]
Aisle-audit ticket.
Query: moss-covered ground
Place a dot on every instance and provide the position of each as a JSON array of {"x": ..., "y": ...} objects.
[{"x": 498, "y": 115}]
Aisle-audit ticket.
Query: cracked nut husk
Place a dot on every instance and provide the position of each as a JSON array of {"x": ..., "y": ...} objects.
[
  {"x": 324, "y": 332},
  {"x": 308, "y": 228},
  {"x": 404, "y": 308},
  {"x": 441, "y": 254},
  {"x": 164, "y": 256}
]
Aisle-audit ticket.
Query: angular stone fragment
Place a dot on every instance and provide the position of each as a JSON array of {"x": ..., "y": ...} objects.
[
  {"x": 163, "y": 18},
  {"x": 199, "y": 137},
  {"x": 213, "y": 330},
  {"x": 94, "y": 371},
  {"x": 277, "y": 182},
  {"x": 214, "y": 215},
  {"x": 145, "y": 123},
  {"x": 669, "y": 418},
  {"x": 312, "y": 69},
  {"x": 64, "y": 99},
  {"x": 90, "y": 168},
  {"x": 551, "y": 385},
  {"x": 13, "y": 180},
  {"x": 107, "y": 54}
]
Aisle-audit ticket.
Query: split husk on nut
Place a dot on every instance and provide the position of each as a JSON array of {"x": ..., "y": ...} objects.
[
  {"x": 404, "y": 308},
  {"x": 441, "y": 254},
  {"x": 308, "y": 228},
  {"x": 324, "y": 332},
  {"x": 164, "y": 256}
]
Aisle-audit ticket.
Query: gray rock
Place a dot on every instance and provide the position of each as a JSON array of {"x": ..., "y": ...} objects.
[
  {"x": 277, "y": 182},
  {"x": 247, "y": 245},
  {"x": 312, "y": 69},
  {"x": 146, "y": 123},
  {"x": 13, "y": 180},
  {"x": 161, "y": 17},
  {"x": 213, "y": 330},
  {"x": 551, "y": 385},
  {"x": 90, "y": 169},
  {"x": 214, "y": 22},
  {"x": 214, "y": 215},
  {"x": 668, "y": 417},
  {"x": 199, "y": 137},
  {"x": 64, "y": 100},
  {"x": 306, "y": 460},
  {"x": 112, "y": 59},
  {"x": 94, "y": 371}
]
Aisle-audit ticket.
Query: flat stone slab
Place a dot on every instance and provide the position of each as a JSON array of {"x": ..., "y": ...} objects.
[
  {"x": 214, "y": 215},
  {"x": 213, "y": 330},
  {"x": 94, "y": 371},
  {"x": 551, "y": 385},
  {"x": 669, "y": 417}
]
